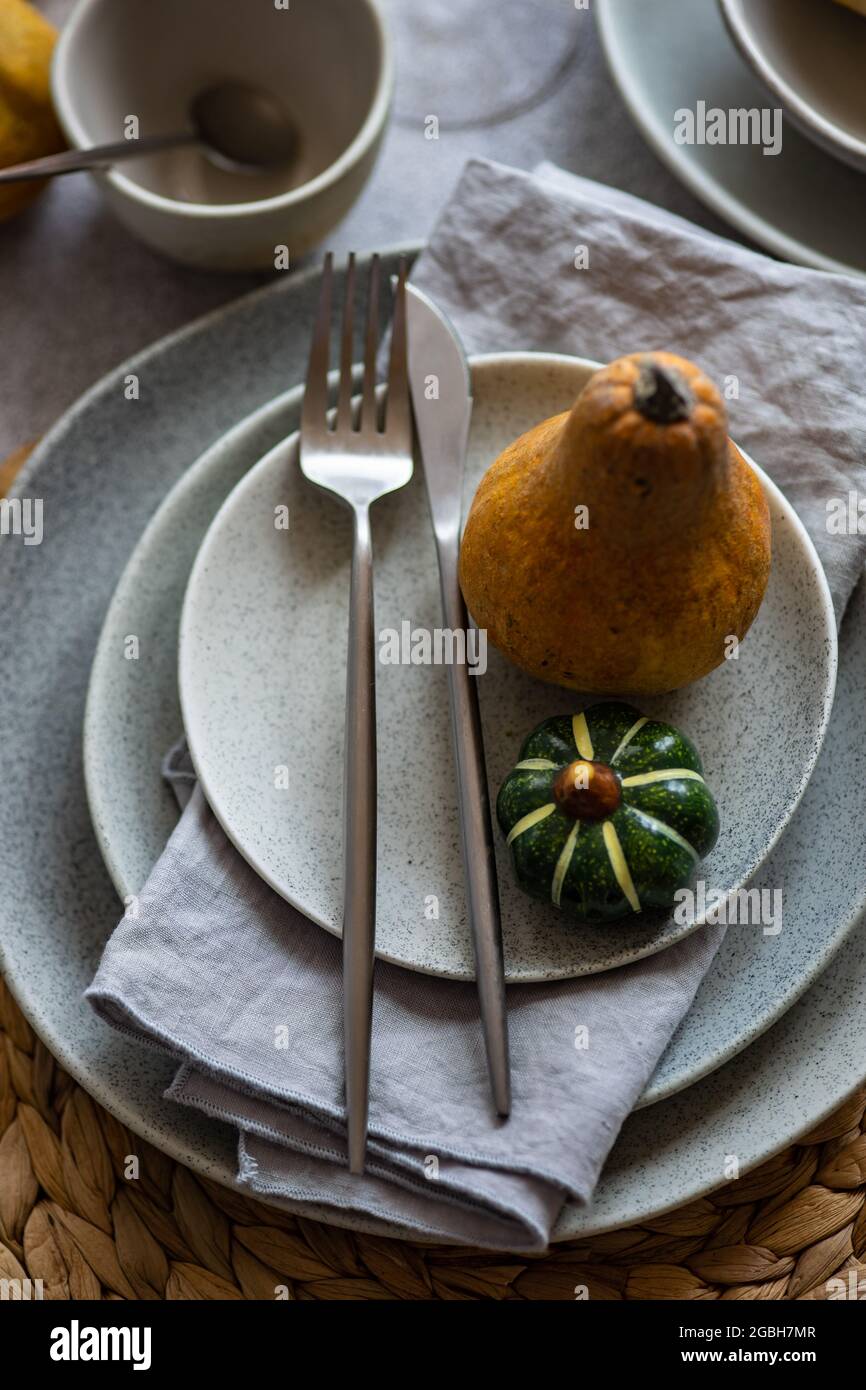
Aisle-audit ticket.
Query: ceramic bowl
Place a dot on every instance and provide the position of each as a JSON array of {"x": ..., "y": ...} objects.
[
  {"x": 812, "y": 57},
  {"x": 330, "y": 65},
  {"x": 802, "y": 206}
]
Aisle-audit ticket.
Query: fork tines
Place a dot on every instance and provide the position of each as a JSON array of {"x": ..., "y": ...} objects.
[{"x": 374, "y": 416}]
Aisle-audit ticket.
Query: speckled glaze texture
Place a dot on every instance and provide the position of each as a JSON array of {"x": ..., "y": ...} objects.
[
  {"x": 127, "y": 794},
  {"x": 102, "y": 472},
  {"x": 262, "y": 680}
]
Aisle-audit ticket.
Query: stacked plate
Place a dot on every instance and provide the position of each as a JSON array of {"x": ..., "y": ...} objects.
[
  {"x": 144, "y": 547},
  {"x": 798, "y": 188}
]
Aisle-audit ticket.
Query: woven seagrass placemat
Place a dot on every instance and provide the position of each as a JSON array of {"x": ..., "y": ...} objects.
[{"x": 71, "y": 1217}]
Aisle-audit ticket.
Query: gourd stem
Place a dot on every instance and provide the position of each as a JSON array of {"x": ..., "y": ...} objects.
[{"x": 661, "y": 395}]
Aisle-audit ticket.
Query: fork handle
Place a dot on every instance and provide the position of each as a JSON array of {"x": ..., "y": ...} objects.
[
  {"x": 476, "y": 835},
  {"x": 359, "y": 872}
]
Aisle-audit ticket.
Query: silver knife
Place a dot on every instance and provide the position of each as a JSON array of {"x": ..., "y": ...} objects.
[{"x": 442, "y": 400}]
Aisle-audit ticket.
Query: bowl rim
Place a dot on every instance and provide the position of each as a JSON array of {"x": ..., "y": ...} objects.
[
  {"x": 833, "y": 137},
  {"x": 363, "y": 141}
]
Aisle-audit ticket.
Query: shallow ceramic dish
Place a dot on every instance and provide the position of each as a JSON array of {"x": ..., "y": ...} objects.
[
  {"x": 331, "y": 66},
  {"x": 813, "y": 59},
  {"x": 134, "y": 813},
  {"x": 802, "y": 204},
  {"x": 262, "y": 680},
  {"x": 103, "y": 470}
]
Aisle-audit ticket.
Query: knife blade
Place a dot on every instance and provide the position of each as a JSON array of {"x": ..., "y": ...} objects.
[{"x": 441, "y": 391}]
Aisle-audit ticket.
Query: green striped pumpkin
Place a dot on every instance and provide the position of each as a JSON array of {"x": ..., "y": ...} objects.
[{"x": 606, "y": 813}]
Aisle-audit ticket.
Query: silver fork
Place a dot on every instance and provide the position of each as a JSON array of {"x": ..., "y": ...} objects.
[{"x": 359, "y": 462}]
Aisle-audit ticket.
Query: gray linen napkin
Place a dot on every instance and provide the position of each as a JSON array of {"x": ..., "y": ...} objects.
[
  {"x": 213, "y": 965},
  {"x": 245, "y": 992}
]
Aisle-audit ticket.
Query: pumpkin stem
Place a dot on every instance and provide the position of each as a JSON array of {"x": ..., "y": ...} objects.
[
  {"x": 587, "y": 790},
  {"x": 661, "y": 394}
]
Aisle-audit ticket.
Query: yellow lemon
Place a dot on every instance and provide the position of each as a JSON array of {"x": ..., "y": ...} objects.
[{"x": 28, "y": 126}]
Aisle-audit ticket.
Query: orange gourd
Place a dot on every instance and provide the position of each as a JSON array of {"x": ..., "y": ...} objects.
[{"x": 641, "y": 591}]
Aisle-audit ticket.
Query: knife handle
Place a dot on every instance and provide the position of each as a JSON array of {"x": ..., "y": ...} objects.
[{"x": 479, "y": 859}]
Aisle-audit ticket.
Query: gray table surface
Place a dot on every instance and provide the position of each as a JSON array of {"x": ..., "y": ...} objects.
[{"x": 78, "y": 294}]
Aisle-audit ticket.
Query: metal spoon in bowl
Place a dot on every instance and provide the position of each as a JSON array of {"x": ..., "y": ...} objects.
[{"x": 238, "y": 127}]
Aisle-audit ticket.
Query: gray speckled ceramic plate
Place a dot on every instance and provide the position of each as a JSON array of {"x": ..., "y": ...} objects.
[
  {"x": 101, "y": 473},
  {"x": 802, "y": 204},
  {"x": 262, "y": 681},
  {"x": 135, "y": 814}
]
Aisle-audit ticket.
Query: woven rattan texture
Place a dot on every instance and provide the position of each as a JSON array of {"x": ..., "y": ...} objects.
[{"x": 71, "y": 1215}]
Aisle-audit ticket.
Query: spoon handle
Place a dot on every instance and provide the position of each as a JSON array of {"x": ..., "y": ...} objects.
[{"x": 99, "y": 157}]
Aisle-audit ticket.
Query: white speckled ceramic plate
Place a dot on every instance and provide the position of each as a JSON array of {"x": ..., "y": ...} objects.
[
  {"x": 754, "y": 979},
  {"x": 262, "y": 679},
  {"x": 103, "y": 470},
  {"x": 802, "y": 204}
]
